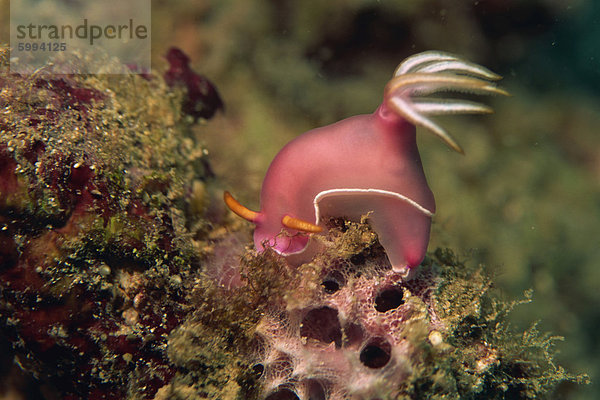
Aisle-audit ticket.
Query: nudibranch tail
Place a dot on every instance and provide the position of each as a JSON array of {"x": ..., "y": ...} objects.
[
  {"x": 239, "y": 209},
  {"x": 431, "y": 72}
]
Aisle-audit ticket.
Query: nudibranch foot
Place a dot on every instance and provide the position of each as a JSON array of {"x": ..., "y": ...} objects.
[
  {"x": 401, "y": 223},
  {"x": 285, "y": 243}
]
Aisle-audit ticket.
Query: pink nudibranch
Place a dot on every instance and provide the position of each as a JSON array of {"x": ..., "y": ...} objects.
[{"x": 368, "y": 164}]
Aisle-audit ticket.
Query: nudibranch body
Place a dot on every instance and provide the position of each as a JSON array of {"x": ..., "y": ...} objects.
[{"x": 368, "y": 164}]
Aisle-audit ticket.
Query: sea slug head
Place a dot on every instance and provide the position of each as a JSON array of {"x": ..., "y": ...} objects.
[
  {"x": 368, "y": 164},
  {"x": 285, "y": 234}
]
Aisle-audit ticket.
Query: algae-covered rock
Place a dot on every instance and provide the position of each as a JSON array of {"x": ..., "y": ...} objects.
[{"x": 98, "y": 178}]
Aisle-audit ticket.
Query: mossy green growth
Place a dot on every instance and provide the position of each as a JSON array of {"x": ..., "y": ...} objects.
[
  {"x": 96, "y": 174},
  {"x": 212, "y": 349},
  {"x": 108, "y": 157},
  {"x": 477, "y": 354},
  {"x": 212, "y": 362}
]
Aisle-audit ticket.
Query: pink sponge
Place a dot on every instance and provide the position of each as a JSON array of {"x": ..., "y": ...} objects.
[{"x": 348, "y": 342}]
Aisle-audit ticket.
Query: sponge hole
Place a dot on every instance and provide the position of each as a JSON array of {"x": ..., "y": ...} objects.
[
  {"x": 330, "y": 286},
  {"x": 258, "y": 370},
  {"x": 322, "y": 324},
  {"x": 376, "y": 354},
  {"x": 282, "y": 394},
  {"x": 389, "y": 299},
  {"x": 333, "y": 282},
  {"x": 315, "y": 390}
]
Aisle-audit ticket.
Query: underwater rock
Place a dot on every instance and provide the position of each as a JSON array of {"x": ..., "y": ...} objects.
[{"x": 96, "y": 178}]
